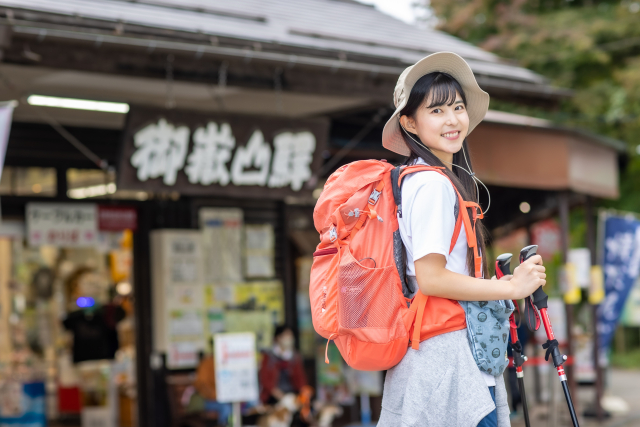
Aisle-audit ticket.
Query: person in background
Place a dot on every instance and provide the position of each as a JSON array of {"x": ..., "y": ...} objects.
[{"x": 281, "y": 371}]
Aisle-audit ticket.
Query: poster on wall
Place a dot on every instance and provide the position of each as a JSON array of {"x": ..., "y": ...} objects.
[
  {"x": 262, "y": 296},
  {"x": 178, "y": 296},
  {"x": 221, "y": 242},
  {"x": 62, "y": 224},
  {"x": 258, "y": 322},
  {"x": 220, "y": 154},
  {"x": 259, "y": 251},
  {"x": 236, "y": 367}
]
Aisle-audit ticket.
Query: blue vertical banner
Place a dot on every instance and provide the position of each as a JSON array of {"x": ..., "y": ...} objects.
[{"x": 621, "y": 265}]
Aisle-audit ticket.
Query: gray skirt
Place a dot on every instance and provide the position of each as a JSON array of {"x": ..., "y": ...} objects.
[{"x": 440, "y": 385}]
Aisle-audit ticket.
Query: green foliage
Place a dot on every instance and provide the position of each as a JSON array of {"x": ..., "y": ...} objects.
[
  {"x": 627, "y": 360},
  {"x": 592, "y": 47}
]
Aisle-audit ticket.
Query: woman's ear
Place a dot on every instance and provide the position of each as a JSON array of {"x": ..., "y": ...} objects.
[{"x": 409, "y": 124}]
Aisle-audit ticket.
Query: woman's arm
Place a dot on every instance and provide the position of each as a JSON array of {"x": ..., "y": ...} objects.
[{"x": 435, "y": 280}]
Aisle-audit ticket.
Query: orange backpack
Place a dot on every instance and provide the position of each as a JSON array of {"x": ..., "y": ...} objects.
[{"x": 359, "y": 267}]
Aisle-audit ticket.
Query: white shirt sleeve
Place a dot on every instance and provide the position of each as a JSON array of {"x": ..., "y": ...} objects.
[{"x": 431, "y": 215}]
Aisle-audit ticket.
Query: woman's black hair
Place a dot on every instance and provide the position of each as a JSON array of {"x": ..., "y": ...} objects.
[{"x": 441, "y": 89}]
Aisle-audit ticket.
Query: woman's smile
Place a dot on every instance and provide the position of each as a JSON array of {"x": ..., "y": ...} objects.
[{"x": 451, "y": 136}]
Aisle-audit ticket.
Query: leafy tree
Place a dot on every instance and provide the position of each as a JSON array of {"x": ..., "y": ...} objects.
[{"x": 592, "y": 47}]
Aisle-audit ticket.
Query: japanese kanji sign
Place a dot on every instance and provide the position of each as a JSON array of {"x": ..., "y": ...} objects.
[
  {"x": 201, "y": 154},
  {"x": 621, "y": 265}
]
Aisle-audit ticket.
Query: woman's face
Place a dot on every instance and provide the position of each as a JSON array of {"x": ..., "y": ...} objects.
[{"x": 442, "y": 128}]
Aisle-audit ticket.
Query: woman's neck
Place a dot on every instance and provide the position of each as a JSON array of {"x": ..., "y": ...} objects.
[{"x": 444, "y": 157}]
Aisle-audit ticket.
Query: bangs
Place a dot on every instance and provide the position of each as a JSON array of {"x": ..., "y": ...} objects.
[{"x": 443, "y": 91}]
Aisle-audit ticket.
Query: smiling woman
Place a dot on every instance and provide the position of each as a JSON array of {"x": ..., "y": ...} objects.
[{"x": 438, "y": 103}]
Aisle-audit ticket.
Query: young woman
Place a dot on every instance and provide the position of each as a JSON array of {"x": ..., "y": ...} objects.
[{"x": 438, "y": 104}]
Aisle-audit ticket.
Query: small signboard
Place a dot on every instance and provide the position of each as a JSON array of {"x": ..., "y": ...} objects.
[
  {"x": 117, "y": 218},
  {"x": 236, "y": 367},
  {"x": 62, "y": 224}
]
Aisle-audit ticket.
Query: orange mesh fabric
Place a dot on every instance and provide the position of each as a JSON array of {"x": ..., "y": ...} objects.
[{"x": 367, "y": 297}]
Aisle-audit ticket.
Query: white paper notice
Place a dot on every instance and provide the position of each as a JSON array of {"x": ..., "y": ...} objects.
[
  {"x": 62, "y": 225},
  {"x": 236, "y": 367},
  {"x": 222, "y": 244},
  {"x": 259, "y": 252}
]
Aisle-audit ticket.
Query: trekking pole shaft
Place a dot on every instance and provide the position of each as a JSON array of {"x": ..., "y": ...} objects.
[
  {"x": 567, "y": 395},
  {"x": 523, "y": 397}
]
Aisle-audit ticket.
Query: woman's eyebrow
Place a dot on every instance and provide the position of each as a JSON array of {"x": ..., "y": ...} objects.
[{"x": 459, "y": 101}]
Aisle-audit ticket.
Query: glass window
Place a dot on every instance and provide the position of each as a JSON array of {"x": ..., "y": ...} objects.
[
  {"x": 95, "y": 183},
  {"x": 85, "y": 183},
  {"x": 30, "y": 181}
]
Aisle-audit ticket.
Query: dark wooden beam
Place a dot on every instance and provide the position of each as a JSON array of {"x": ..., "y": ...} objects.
[{"x": 247, "y": 73}]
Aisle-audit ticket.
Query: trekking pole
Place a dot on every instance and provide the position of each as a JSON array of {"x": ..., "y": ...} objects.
[
  {"x": 538, "y": 301},
  {"x": 503, "y": 267}
]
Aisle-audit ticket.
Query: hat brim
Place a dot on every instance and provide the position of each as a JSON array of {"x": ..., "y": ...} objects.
[{"x": 445, "y": 62}]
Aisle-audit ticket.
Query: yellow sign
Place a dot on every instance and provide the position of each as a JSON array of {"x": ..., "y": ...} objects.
[
  {"x": 596, "y": 288},
  {"x": 262, "y": 296},
  {"x": 572, "y": 292}
]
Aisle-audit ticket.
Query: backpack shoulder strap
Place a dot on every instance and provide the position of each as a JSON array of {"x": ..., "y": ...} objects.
[{"x": 396, "y": 179}]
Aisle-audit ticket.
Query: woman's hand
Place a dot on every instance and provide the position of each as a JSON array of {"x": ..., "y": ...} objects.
[{"x": 527, "y": 277}]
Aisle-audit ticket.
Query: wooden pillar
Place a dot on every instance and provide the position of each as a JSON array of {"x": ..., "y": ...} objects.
[
  {"x": 563, "y": 204},
  {"x": 288, "y": 271},
  {"x": 591, "y": 243}
]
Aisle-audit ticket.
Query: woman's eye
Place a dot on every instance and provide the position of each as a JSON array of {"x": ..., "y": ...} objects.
[
  {"x": 460, "y": 107},
  {"x": 437, "y": 110}
]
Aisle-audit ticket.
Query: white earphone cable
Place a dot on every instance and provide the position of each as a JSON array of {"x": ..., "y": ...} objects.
[{"x": 471, "y": 174}]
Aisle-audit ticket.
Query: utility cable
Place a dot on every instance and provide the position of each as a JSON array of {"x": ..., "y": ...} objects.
[{"x": 347, "y": 148}]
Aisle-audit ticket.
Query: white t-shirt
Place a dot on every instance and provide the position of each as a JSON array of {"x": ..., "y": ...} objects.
[{"x": 427, "y": 224}]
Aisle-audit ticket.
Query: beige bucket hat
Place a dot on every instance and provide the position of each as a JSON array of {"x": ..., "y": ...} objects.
[{"x": 446, "y": 62}]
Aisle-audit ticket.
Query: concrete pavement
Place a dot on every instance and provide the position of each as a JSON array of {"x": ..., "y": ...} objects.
[{"x": 623, "y": 384}]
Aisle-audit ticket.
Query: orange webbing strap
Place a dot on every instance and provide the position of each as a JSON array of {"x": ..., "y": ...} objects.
[
  {"x": 420, "y": 302},
  {"x": 377, "y": 191},
  {"x": 456, "y": 231},
  {"x": 471, "y": 232},
  {"x": 368, "y": 212},
  {"x": 418, "y": 168},
  {"x": 358, "y": 225}
]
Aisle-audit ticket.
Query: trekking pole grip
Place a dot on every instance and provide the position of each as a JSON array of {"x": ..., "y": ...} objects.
[
  {"x": 503, "y": 265},
  {"x": 539, "y": 297}
]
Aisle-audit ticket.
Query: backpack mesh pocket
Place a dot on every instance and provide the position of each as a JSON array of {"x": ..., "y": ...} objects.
[{"x": 367, "y": 297}]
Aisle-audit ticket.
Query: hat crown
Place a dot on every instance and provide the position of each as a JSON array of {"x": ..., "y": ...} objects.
[{"x": 398, "y": 93}]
